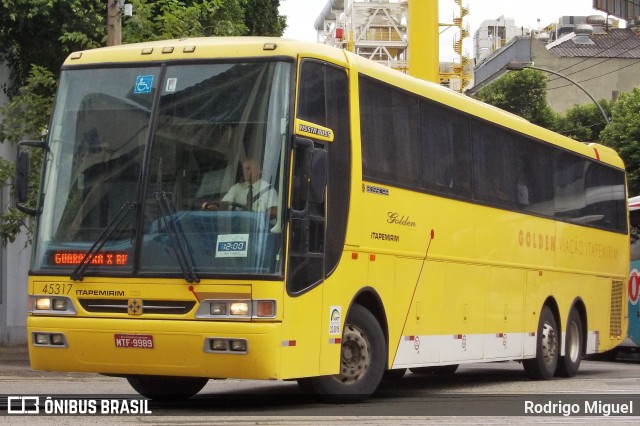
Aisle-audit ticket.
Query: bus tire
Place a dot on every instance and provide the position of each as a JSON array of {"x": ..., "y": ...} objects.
[
  {"x": 569, "y": 364},
  {"x": 167, "y": 388},
  {"x": 362, "y": 361},
  {"x": 436, "y": 370},
  {"x": 393, "y": 375},
  {"x": 543, "y": 366}
]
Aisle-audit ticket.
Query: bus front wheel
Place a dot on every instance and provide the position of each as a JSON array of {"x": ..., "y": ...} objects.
[
  {"x": 362, "y": 361},
  {"x": 167, "y": 388},
  {"x": 543, "y": 366}
]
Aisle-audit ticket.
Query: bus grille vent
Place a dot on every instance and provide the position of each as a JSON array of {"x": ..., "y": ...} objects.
[
  {"x": 120, "y": 306},
  {"x": 615, "y": 324}
]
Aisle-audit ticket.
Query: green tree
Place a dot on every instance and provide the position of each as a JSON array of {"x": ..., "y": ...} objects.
[
  {"x": 584, "y": 122},
  {"x": 522, "y": 93},
  {"x": 166, "y": 19},
  {"x": 623, "y": 135},
  {"x": 24, "y": 119},
  {"x": 44, "y": 32},
  {"x": 262, "y": 18}
]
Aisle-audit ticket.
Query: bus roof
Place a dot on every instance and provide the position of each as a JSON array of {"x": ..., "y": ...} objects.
[
  {"x": 253, "y": 47},
  {"x": 203, "y": 48},
  {"x": 488, "y": 112}
]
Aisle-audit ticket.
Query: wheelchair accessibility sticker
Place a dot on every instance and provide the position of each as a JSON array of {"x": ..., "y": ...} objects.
[{"x": 144, "y": 83}]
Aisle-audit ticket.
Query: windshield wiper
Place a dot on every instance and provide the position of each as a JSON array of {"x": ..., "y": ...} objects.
[
  {"x": 78, "y": 273},
  {"x": 176, "y": 236}
]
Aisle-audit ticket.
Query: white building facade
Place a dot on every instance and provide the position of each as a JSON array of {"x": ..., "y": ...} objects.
[{"x": 14, "y": 260}]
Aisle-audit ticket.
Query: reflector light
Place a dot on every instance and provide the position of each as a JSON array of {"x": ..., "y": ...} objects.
[{"x": 266, "y": 308}]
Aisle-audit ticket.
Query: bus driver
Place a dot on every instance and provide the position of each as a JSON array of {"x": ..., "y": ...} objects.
[{"x": 253, "y": 194}]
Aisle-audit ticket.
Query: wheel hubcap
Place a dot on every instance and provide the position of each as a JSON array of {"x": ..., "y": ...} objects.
[
  {"x": 355, "y": 357},
  {"x": 549, "y": 344}
]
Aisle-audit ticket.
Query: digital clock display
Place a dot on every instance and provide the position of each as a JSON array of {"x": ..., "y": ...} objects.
[{"x": 232, "y": 245}]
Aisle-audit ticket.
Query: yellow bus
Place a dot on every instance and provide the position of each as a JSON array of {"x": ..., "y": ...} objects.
[{"x": 394, "y": 224}]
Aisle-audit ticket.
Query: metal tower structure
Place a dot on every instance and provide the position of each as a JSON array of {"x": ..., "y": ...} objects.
[
  {"x": 376, "y": 30},
  {"x": 457, "y": 78},
  {"x": 401, "y": 34}
]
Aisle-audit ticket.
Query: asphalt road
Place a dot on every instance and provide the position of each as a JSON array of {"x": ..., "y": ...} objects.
[{"x": 477, "y": 393}]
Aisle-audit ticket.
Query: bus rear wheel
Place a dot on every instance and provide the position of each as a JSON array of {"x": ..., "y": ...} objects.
[
  {"x": 569, "y": 364},
  {"x": 543, "y": 366},
  {"x": 362, "y": 361},
  {"x": 167, "y": 388}
]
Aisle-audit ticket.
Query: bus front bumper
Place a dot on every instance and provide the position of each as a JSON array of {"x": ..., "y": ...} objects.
[{"x": 155, "y": 347}]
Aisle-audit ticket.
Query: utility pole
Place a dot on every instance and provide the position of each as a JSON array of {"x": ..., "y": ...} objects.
[{"x": 114, "y": 22}]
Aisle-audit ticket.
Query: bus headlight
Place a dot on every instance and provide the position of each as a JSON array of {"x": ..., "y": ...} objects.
[
  {"x": 218, "y": 308},
  {"x": 58, "y": 305},
  {"x": 57, "y": 340},
  {"x": 43, "y": 303},
  {"x": 237, "y": 309}
]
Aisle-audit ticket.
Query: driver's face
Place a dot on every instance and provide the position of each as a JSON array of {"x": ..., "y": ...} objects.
[{"x": 250, "y": 171}]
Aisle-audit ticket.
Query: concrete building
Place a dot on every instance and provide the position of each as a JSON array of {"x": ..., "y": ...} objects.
[
  {"x": 14, "y": 261},
  {"x": 492, "y": 35},
  {"x": 605, "y": 61}
]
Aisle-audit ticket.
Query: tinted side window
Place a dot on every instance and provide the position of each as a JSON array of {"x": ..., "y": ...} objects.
[
  {"x": 323, "y": 99},
  {"x": 312, "y": 97},
  {"x": 494, "y": 174},
  {"x": 339, "y": 183},
  {"x": 445, "y": 145},
  {"x": 389, "y": 121},
  {"x": 534, "y": 182}
]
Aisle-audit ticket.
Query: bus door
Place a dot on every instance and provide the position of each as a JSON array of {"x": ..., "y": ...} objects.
[{"x": 319, "y": 202}]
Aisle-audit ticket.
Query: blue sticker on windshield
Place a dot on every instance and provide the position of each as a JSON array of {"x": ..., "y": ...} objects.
[{"x": 144, "y": 83}]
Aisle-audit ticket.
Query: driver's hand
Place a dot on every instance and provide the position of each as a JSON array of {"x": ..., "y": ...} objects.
[{"x": 209, "y": 206}]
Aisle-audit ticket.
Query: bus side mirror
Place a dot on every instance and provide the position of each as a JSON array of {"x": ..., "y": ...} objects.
[{"x": 22, "y": 175}]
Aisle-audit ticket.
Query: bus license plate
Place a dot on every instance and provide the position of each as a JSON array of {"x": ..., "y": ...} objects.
[{"x": 141, "y": 341}]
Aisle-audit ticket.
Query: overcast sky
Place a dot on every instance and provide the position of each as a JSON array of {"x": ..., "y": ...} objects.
[{"x": 301, "y": 15}]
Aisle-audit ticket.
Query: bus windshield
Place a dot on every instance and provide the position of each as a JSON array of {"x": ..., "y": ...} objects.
[{"x": 160, "y": 168}]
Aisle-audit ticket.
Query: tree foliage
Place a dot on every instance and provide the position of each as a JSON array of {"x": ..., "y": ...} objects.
[
  {"x": 523, "y": 93},
  {"x": 166, "y": 19},
  {"x": 584, "y": 122},
  {"x": 262, "y": 18},
  {"x": 623, "y": 135},
  {"x": 44, "y": 32},
  {"x": 26, "y": 116}
]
